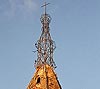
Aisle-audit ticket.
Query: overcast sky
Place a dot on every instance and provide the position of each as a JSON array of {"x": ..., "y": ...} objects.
[{"x": 75, "y": 27}]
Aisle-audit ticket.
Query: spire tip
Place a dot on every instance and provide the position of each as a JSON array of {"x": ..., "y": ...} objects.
[{"x": 45, "y": 5}]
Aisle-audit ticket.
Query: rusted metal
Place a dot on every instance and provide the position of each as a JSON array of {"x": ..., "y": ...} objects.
[{"x": 45, "y": 45}]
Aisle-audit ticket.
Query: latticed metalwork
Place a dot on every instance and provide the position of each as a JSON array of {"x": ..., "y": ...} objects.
[
  {"x": 45, "y": 77},
  {"x": 45, "y": 45}
]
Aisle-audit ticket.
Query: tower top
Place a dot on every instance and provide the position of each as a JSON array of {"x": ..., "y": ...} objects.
[
  {"x": 45, "y": 45},
  {"x": 45, "y": 77}
]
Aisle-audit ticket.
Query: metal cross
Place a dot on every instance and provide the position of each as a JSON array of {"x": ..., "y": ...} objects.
[{"x": 45, "y": 4}]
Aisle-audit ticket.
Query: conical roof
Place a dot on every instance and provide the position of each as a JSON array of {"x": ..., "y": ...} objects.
[{"x": 44, "y": 78}]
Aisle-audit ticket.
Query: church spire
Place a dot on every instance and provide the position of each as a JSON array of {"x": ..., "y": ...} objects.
[
  {"x": 45, "y": 45},
  {"x": 45, "y": 77}
]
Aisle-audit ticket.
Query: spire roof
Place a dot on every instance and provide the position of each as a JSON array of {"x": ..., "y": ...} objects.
[{"x": 45, "y": 77}]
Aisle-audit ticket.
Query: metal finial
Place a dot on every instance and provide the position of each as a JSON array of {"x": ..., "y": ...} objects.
[
  {"x": 45, "y": 45},
  {"x": 45, "y": 4}
]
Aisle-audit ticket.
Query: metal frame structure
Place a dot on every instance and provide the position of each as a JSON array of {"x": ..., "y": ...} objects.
[{"x": 45, "y": 45}]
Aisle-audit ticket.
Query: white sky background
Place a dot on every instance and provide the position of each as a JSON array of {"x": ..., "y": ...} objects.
[{"x": 75, "y": 27}]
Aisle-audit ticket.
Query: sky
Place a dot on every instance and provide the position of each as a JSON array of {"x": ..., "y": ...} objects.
[{"x": 75, "y": 27}]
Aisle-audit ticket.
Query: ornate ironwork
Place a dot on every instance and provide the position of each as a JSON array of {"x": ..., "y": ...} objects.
[{"x": 45, "y": 45}]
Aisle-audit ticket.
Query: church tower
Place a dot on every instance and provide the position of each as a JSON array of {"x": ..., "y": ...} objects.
[{"x": 45, "y": 76}]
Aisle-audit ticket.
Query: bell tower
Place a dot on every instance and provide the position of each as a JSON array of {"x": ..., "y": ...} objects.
[{"x": 45, "y": 76}]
